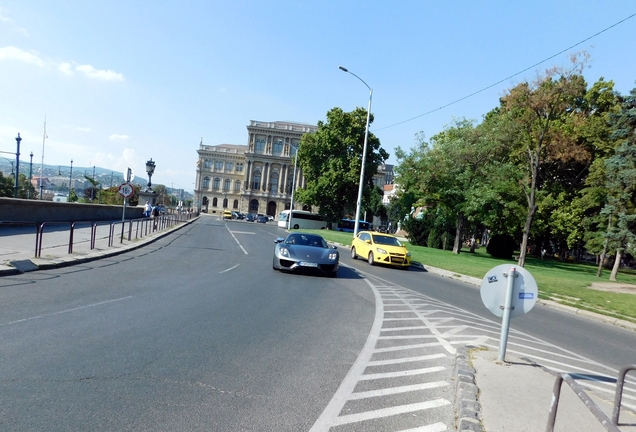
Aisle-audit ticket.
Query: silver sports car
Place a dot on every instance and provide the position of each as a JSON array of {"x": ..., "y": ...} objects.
[{"x": 299, "y": 251}]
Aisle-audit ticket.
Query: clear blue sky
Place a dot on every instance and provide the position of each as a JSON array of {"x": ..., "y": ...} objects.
[{"x": 122, "y": 81}]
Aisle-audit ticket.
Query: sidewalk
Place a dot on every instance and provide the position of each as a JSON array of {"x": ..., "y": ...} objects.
[
  {"x": 516, "y": 395},
  {"x": 17, "y": 251}
]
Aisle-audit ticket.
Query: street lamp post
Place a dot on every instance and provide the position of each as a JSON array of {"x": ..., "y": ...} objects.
[
  {"x": 30, "y": 176},
  {"x": 150, "y": 169},
  {"x": 291, "y": 205},
  {"x": 70, "y": 180},
  {"x": 364, "y": 154},
  {"x": 17, "y": 165}
]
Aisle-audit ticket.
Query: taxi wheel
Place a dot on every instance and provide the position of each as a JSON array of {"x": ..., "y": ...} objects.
[
  {"x": 371, "y": 261},
  {"x": 353, "y": 253}
]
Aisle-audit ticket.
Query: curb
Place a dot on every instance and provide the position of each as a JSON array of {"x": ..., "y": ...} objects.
[{"x": 467, "y": 407}]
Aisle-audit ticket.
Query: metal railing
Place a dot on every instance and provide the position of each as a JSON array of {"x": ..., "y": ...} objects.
[
  {"x": 142, "y": 227},
  {"x": 610, "y": 425}
]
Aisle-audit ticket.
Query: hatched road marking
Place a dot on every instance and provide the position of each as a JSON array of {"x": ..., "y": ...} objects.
[{"x": 401, "y": 378}]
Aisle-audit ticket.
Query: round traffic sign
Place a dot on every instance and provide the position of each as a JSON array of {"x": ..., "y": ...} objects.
[
  {"x": 495, "y": 284},
  {"x": 126, "y": 190}
]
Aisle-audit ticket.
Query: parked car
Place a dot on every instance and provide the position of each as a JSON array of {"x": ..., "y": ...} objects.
[
  {"x": 237, "y": 215},
  {"x": 378, "y": 248},
  {"x": 270, "y": 218},
  {"x": 227, "y": 214},
  {"x": 250, "y": 217},
  {"x": 262, "y": 219},
  {"x": 300, "y": 251}
]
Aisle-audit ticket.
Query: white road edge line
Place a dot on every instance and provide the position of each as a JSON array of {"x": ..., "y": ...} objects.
[{"x": 66, "y": 311}]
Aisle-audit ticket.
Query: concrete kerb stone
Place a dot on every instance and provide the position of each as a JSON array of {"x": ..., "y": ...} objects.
[
  {"x": 64, "y": 261},
  {"x": 467, "y": 407}
]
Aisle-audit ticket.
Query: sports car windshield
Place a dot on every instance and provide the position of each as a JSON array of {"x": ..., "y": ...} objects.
[{"x": 306, "y": 240}]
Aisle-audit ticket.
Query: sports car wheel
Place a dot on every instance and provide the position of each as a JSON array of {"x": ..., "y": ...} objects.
[
  {"x": 370, "y": 260},
  {"x": 353, "y": 253}
]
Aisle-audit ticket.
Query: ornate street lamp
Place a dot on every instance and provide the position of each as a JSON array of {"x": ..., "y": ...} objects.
[{"x": 150, "y": 169}]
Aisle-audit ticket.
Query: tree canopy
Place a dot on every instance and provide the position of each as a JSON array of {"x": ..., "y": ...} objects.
[{"x": 331, "y": 161}]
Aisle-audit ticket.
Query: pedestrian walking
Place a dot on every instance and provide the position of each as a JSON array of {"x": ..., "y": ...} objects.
[
  {"x": 155, "y": 217},
  {"x": 147, "y": 209}
]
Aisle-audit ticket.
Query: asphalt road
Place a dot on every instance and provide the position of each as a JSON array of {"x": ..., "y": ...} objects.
[{"x": 197, "y": 332}]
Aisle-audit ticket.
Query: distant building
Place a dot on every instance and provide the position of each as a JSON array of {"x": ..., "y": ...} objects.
[
  {"x": 257, "y": 177},
  {"x": 252, "y": 178}
]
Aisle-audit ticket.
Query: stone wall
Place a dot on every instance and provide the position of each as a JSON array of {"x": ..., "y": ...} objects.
[{"x": 22, "y": 210}]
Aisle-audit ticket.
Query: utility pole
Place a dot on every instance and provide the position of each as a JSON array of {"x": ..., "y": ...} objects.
[{"x": 17, "y": 165}]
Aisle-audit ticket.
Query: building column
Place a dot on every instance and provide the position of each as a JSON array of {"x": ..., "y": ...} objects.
[
  {"x": 267, "y": 169},
  {"x": 248, "y": 175}
]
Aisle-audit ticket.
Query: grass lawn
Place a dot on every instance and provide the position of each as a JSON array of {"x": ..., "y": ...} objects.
[{"x": 565, "y": 282}]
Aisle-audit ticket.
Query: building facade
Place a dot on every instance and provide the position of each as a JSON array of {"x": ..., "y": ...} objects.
[{"x": 253, "y": 178}]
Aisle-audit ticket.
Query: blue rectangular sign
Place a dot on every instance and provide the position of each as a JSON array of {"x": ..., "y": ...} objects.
[{"x": 525, "y": 295}]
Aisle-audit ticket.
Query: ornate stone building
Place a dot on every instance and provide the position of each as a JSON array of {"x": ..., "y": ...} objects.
[{"x": 253, "y": 178}]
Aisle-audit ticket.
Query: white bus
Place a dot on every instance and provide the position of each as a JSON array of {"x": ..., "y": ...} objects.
[{"x": 301, "y": 219}]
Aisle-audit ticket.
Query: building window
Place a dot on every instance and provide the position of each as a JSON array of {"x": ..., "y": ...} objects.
[
  {"x": 235, "y": 204},
  {"x": 273, "y": 186},
  {"x": 206, "y": 183},
  {"x": 218, "y": 165},
  {"x": 239, "y": 167},
  {"x": 207, "y": 164},
  {"x": 237, "y": 186},
  {"x": 226, "y": 184},
  {"x": 290, "y": 181},
  {"x": 278, "y": 147},
  {"x": 294, "y": 148},
  {"x": 229, "y": 166},
  {"x": 215, "y": 202},
  {"x": 217, "y": 183},
  {"x": 256, "y": 180},
  {"x": 260, "y": 146}
]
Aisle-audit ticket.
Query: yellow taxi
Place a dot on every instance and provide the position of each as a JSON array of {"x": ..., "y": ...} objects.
[
  {"x": 227, "y": 214},
  {"x": 380, "y": 248}
]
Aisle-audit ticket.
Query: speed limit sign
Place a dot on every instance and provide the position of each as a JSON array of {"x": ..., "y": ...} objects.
[{"x": 126, "y": 190}]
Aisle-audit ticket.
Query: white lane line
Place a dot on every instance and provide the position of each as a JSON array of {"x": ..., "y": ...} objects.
[
  {"x": 231, "y": 268},
  {"x": 235, "y": 239},
  {"x": 406, "y": 359},
  {"x": 399, "y": 374},
  {"x": 241, "y": 232},
  {"x": 397, "y": 390},
  {"x": 429, "y": 336},
  {"x": 436, "y": 427},
  {"x": 339, "y": 399},
  {"x": 386, "y": 412},
  {"x": 65, "y": 311}
]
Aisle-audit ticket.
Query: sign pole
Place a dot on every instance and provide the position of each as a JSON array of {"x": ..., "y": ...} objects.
[{"x": 505, "y": 318}]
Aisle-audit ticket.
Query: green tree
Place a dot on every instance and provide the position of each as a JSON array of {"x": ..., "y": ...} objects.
[
  {"x": 543, "y": 116},
  {"x": 331, "y": 161},
  {"x": 450, "y": 172},
  {"x": 621, "y": 182}
]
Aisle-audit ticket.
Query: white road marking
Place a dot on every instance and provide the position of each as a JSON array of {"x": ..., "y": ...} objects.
[
  {"x": 386, "y": 412},
  {"x": 437, "y": 427},
  {"x": 66, "y": 311},
  {"x": 403, "y": 373},
  {"x": 235, "y": 239},
  {"x": 397, "y": 390},
  {"x": 231, "y": 268}
]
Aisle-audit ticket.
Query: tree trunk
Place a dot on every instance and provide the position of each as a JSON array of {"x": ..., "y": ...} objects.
[
  {"x": 457, "y": 246},
  {"x": 526, "y": 234},
  {"x": 617, "y": 263},
  {"x": 600, "y": 265}
]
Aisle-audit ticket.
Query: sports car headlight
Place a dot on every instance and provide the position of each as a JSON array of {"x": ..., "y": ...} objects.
[
  {"x": 284, "y": 252},
  {"x": 333, "y": 256},
  {"x": 408, "y": 254},
  {"x": 382, "y": 251}
]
